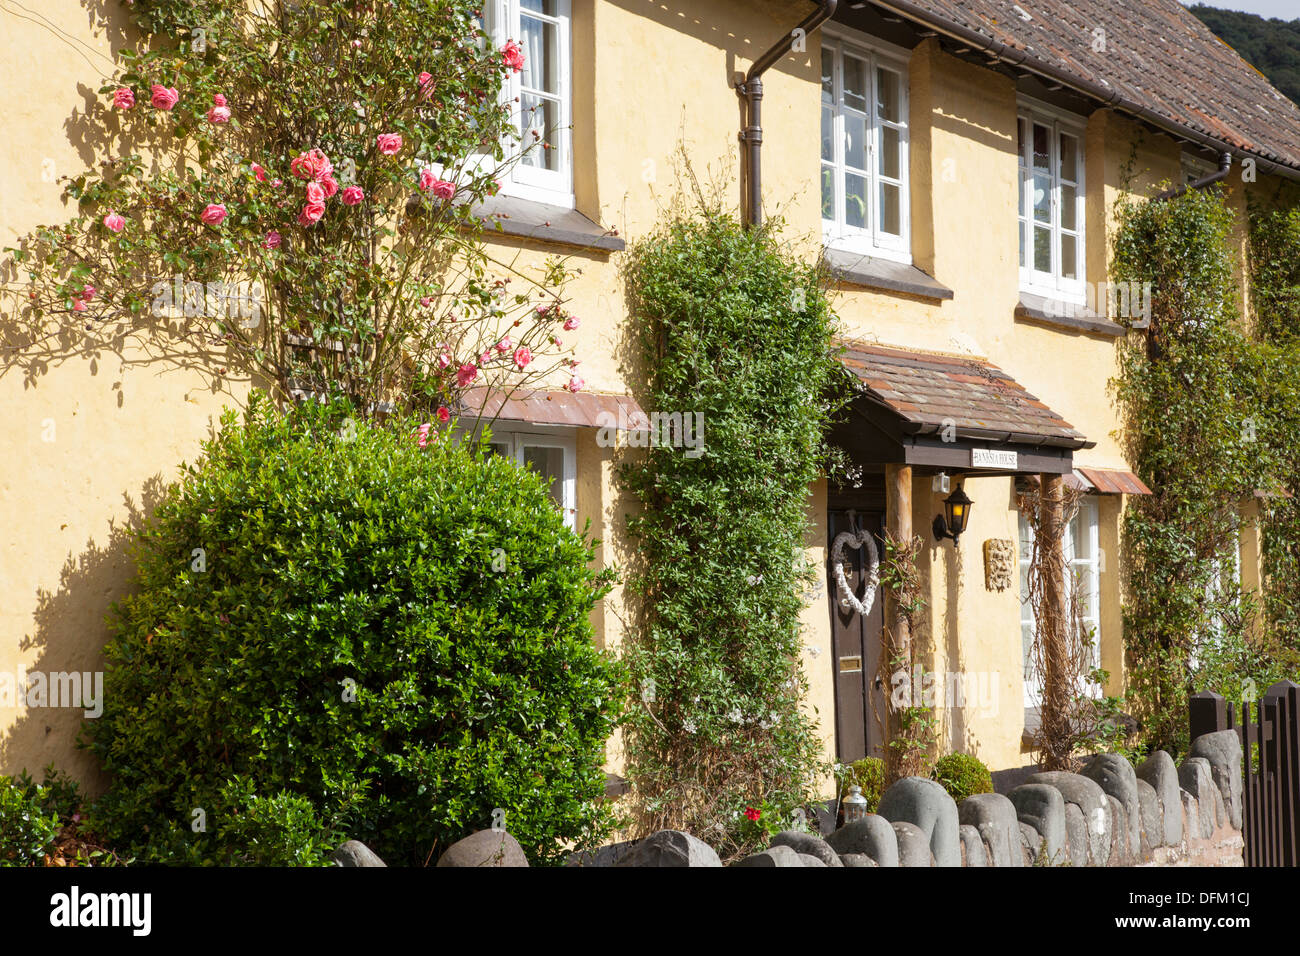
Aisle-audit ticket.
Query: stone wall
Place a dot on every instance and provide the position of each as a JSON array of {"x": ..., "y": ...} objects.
[{"x": 1109, "y": 814}]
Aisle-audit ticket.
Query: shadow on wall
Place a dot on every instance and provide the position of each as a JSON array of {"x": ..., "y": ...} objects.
[{"x": 63, "y": 619}]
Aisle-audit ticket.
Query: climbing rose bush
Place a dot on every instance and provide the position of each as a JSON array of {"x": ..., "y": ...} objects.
[{"x": 291, "y": 193}]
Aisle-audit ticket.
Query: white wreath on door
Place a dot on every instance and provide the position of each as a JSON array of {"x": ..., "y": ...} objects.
[{"x": 858, "y": 539}]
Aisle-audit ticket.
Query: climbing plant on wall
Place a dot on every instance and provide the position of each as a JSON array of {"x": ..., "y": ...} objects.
[
  {"x": 1194, "y": 391},
  {"x": 1275, "y": 292},
  {"x": 731, "y": 327}
]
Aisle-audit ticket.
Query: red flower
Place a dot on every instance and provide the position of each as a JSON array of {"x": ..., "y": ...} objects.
[{"x": 753, "y": 814}]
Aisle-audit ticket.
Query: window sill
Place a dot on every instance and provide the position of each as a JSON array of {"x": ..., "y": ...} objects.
[
  {"x": 1064, "y": 316},
  {"x": 873, "y": 272},
  {"x": 528, "y": 219}
]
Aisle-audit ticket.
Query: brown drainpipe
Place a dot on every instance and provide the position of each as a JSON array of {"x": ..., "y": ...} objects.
[
  {"x": 1225, "y": 167},
  {"x": 750, "y": 88}
]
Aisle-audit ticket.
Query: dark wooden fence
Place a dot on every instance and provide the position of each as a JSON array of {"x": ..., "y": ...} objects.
[{"x": 1270, "y": 745}]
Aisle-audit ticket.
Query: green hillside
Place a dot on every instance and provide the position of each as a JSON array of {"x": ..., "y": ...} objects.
[{"x": 1271, "y": 46}]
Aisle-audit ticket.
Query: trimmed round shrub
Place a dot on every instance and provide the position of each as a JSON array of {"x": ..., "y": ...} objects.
[
  {"x": 962, "y": 775},
  {"x": 337, "y": 633}
]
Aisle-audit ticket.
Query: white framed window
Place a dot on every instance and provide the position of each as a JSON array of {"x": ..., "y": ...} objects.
[
  {"x": 1051, "y": 166},
  {"x": 864, "y": 135},
  {"x": 552, "y": 454},
  {"x": 539, "y": 95},
  {"x": 1083, "y": 556}
]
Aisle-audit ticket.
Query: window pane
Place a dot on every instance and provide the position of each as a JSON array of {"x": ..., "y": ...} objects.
[
  {"x": 1069, "y": 257},
  {"x": 1069, "y": 157},
  {"x": 1042, "y": 249},
  {"x": 855, "y": 84},
  {"x": 828, "y": 134},
  {"x": 1042, "y": 138},
  {"x": 855, "y": 141},
  {"x": 548, "y": 7},
  {"x": 1026, "y": 650},
  {"x": 1069, "y": 207},
  {"x": 855, "y": 201},
  {"x": 539, "y": 120},
  {"x": 1023, "y": 227},
  {"x": 1020, "y": 140},
  {"x": 891, "y": 215},
  {"x": 500, "y": 448},
  {"x": 549, "y": 463},
  {"x": 540, "y": 42},
  {"x": 828, "y": 194},
  {"x": 1042, "y": 198},
  {"x": 828, "y": 77},
  {"x": 890, "y": 147},
  {"x": 889, "y": 105}
]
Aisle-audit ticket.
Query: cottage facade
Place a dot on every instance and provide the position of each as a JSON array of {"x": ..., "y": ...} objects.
[{"x": 956, "y": 165}]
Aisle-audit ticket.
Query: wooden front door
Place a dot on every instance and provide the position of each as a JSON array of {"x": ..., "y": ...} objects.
[{"x": 859, "y": 689}]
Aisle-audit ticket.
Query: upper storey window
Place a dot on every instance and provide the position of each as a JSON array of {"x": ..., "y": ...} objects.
[
  {"x": 864, "y": 149},
  {"x": 1051, "y": 204},
  {"x": 539, "y": 95}
]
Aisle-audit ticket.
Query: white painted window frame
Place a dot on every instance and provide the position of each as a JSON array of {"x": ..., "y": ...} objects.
[
  {"x": 1085, "y": 568},
  {"x": 1052, "y": 284},
  {"x": 551, "y": 187},
  {"x": 519, "y": 437},
  {"x": 836, "y": 233}
]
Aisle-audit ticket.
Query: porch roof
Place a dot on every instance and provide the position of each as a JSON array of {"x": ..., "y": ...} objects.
[
  {"x": 555, "y": 407},
  {"x": 928, "y": 392}
]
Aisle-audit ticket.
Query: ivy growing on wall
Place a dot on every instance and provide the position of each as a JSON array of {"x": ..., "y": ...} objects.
[
  {"x": 733, "y": 328},
  {"x": 1210, "y": 422},
  {"x": 1275, "y": 291}
]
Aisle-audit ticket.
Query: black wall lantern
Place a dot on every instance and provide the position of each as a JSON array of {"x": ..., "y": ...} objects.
[{"x": 956, "y": 512}]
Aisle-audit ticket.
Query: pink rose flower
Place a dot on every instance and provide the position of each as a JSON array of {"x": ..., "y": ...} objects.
[
  {"x": 466, "y": 374},
  {"x": 311, "y": 213},
  {"x": 503, "y": 345},
  {"x": 485, "y": 357},
  {"x": 213, "y": 214},
  {"x": 389, "y": 143},
  {"x": 329, "y": 184},
  {"x": 162, "y": 97},
  {"x": 443, "y": 360},
  {"x": 513, "y": 56},
  {"x": 78, "y": 305},
  {"x": 123, "y": 98},
  {"x": 88, "y": 293},
  {"x": 427, "y": 179},
  {"x": 277, "y": 183},
  {"x": 259, "y": 173},
  {"x": 312, "y": 164},
  {"x": 315, "y": 193},
  {"x": 423, "y": 432},
  {"x": 114, "y": 222},
  {"x": 523, "y": 355},
  {"x": 427, "y": 85},
  {"x": 444, "y": 414},
  {"x": 444, "y": 190},
  {"x": 220, "y": 112},
  {"x": 272, "y": 240},
  {"x": 353, "y": 195},
  {"x": 575, "y": 384},
  {"x": 571, "y": 323}
]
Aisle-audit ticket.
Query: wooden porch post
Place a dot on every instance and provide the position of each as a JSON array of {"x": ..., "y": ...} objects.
[
  {"x": 896, "y": 637},
  {"x": 1053, "y": 626}
]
